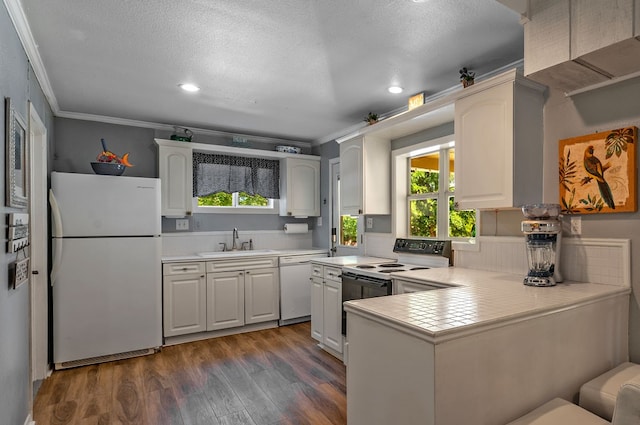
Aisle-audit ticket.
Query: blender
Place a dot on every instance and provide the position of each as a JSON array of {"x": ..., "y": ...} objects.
[{"x": 543, "y": 232}]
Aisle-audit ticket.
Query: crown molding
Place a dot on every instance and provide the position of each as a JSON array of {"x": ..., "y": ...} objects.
[
  {"x": 19, "y": 19},
  {"x": 172, "y": 127}
]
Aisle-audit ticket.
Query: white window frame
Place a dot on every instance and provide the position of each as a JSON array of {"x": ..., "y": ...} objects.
[
  {"x": 441, "y": 196},
  {"x": 401, "y": 186},
  {"x": 273, "y": 208}
]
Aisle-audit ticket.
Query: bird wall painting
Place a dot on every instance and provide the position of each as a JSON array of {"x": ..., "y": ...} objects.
[{"x": 597, "y": 172}]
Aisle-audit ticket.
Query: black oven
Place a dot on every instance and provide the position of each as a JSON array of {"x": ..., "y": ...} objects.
[{"x": 357, "y": 287}]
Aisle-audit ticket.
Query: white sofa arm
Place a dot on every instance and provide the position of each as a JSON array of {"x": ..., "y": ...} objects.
[{"x": 627, "y": 411}]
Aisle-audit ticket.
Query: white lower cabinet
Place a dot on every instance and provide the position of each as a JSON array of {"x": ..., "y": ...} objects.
[
  {"x": 185, "y": 304},
  {"x": 225, "y": 300},
  {"x": 406, "y": 287},
  {"x": 199, "y": 301},
  {"x": 332, "y": 299},
  {"x": 317, "y": 308},
  {"x": 326, "y": 307},
  {"x": 262, "y": 295},
  {"x": 239, "y": 298}
]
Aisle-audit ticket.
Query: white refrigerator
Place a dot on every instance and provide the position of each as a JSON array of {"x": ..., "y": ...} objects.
[{"x": 106, "y": 275}]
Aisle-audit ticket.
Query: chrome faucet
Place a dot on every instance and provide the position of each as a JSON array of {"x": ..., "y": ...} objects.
[{"x": 234, "y": 246}]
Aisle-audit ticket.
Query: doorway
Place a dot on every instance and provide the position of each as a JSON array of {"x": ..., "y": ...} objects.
[
  {"x": 38, "y": 231},
  {"x": 348, "y": 229}
]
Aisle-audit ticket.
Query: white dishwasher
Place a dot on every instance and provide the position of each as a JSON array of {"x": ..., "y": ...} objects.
[{"x": 295, "y": 288}]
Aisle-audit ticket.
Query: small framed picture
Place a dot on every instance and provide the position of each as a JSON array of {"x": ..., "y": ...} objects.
[{"x": 16, "y": 157}]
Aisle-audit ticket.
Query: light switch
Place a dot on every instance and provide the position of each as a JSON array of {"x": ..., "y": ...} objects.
[{"x": 182, "y": 224}]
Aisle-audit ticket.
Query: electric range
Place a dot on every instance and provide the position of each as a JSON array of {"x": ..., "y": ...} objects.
[
  {"x": 374, "y": 280},
  {"x": 413, "y": 254}
]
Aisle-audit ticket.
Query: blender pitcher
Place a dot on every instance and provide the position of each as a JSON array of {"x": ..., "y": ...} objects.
[{"x": 543, "y": 232}]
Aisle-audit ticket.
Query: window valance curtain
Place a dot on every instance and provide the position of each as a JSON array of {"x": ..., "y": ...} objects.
[{"x": 225, "y": 173}]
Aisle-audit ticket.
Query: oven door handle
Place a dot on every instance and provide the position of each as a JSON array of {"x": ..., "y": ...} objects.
[{"x": 366, "y": 281}]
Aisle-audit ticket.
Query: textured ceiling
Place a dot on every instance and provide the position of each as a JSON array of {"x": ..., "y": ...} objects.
[{"x": 305, "y": 70}]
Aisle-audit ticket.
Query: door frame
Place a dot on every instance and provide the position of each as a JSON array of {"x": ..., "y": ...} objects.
[
  {"x": 334, "y": 195},
  {"x": 39, "y": 249}
]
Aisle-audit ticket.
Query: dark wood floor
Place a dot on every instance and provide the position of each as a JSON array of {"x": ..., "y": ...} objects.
[{"x": 276, "y": 376}]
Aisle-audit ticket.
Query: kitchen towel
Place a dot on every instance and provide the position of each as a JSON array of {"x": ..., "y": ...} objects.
[{"x": 296, "y": 228}]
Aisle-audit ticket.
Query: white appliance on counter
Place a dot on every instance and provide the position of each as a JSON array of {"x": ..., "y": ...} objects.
[
  {"x": 106, "y": 275},
  {"x": 295, "y": 289}
]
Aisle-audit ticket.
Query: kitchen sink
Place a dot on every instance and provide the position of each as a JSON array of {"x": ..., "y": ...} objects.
[{"x": 238, "y": 253}]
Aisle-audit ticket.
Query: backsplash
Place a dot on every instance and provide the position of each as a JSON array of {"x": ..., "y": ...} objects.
[
  {"x": 194, "y": 242},
  {"x": 606, "y": 261},
  {"x": 594, "y": 260}
]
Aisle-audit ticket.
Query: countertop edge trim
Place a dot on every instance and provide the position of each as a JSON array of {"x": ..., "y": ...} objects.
[{"x": 463, "y": 331}]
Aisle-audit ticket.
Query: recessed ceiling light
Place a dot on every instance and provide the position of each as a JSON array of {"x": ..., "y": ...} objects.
[
  {"x": 189, "y": 87},
  {"x": 395, "y": 89},
  {"x": 419, "y": 1}
]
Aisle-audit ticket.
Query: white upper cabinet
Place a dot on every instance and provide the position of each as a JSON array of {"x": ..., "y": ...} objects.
[
  {"x": 299, "y": 187},
  {"x": 299, "y": 175},
  {"x": 572, "y": 44},
  {"x": 498, "y": 134},
  {"x": 176, "y": 172},
  {"x": 365, "y": 176}
]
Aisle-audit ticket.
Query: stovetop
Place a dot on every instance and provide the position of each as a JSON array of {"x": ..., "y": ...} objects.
[{"x": 414, "y": 254}]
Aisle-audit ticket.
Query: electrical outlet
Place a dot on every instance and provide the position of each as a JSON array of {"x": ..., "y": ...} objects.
[
  {"x": 369, "y": 222},
  {"x": 182, "y": 224},
  {"x": 319, "y": 222},
  {"x": 576, "y": 225}
]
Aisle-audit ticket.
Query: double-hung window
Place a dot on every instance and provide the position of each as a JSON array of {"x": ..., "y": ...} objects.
[
  {"x": 431, "y": 207},
  {"x": 224, "y": 183},
  {"x": 424, "y": 193}
]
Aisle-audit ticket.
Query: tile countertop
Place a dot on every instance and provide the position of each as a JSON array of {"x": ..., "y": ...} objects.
[
  {"x": 481, "y": 300},
  {"x": 275, "y": 252}
]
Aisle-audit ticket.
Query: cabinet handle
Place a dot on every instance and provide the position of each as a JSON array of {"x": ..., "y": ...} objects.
[
  {"x": 247, "y": 272},
  {"x": 201, "y": 275},
  {"x": 359, "y": 211},
  {"x": 184, "y": 269},
  {"x": 289, "y": 212}
]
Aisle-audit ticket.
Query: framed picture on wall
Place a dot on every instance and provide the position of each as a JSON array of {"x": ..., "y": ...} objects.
[
  {"x": 597, "y": 172},
  {"x": 16, "y": 157}
]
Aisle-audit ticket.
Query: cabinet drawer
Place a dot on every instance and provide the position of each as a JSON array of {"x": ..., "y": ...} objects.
[
  {"x": 316, "y": 270},
  {"x": 245, "y": 263},
  {"x": 333, "y": 274},
  {"x": 170, "y": 269}
]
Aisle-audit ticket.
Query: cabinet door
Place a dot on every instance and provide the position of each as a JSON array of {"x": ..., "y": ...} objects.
[
  {"x": 317, "y": 309},
  {"x": 302, "y": 190},
  {"x": 484, "y": 148},
  {"x": 262, "y": 295},
  {"x": 351, "y": 183},
  {"x": 225, "y": 300},
  {"x": 332, "y": 320},
  {"x": 184, "y": 304},
  {"x": 176, "y": 172},
  {"x": 405, "y": 287},
  {"x": 598, "y": 24}
]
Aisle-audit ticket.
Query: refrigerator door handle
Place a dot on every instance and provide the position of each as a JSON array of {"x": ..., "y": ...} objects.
[
  {"x": 55, "y": 213},
  {"x": 57, "y": 224}
]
